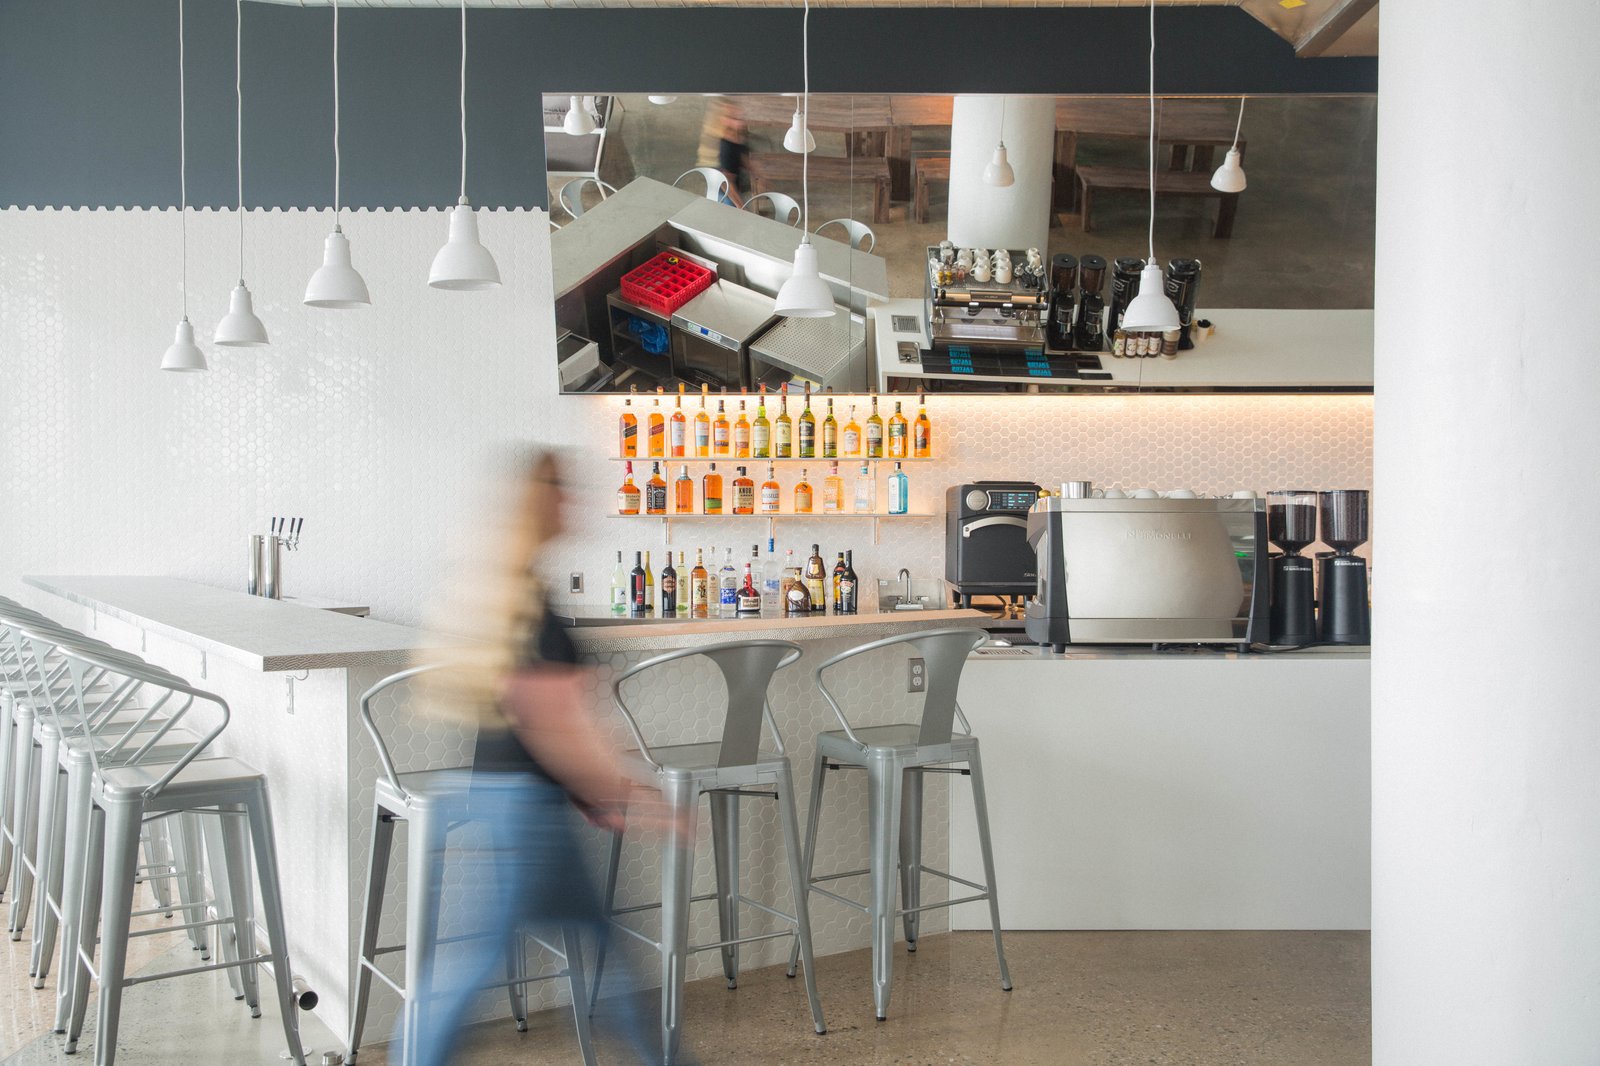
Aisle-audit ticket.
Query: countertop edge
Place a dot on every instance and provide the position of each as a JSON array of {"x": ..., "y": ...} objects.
[{"x": 667, "y": 636}]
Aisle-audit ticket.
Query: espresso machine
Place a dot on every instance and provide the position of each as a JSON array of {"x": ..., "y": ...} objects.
[
  {"x": 1346, "y": 613},
  {"x": 1292, "y": 526}
]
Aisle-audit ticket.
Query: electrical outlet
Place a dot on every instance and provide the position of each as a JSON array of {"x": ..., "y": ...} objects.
[
  {"x": 916, "y": 676},
  {"x": 575, "y": 583}
]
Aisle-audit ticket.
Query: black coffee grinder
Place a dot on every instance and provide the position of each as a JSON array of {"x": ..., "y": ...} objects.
[
  {"x": 1346, "y": 612},
  {"x": 1063, "y": 302},
  {"x": 1292, "y": 525}
]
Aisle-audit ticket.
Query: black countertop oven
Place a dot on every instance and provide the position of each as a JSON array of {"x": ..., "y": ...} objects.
[{"x": 986, "y": 550}]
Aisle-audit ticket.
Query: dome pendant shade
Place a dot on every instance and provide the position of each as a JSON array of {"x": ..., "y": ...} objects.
[
  {"x": 805, "y": 294},
  {"x": 240, "y": 328},
  {"x": 578, "y": 121},
  {"x": 999, "y": 173},
  {"x": 184, "y": 356},
  {"x": 662, "y": 101},
  {"x": 1150, "y": 311},
  {"x": 336, "y": 283},
  {"x": 1230, "y": 175},
  {"x": 798, "y": 139},
  {"x": 464, "y": 263}
]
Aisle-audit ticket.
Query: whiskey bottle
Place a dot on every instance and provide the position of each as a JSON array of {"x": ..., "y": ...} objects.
[
  {"x": 655, "y": 492},
  {"x": 628, "y": 430},
  {"x": 711, "y": 491},
  {"x": 802, "y": 494},
  {"x": 771, "y": 493},
  {"x": 922, "y": 431},
  {"x": 874, "y": 432},
  {"x": 741, "y": 433},
  {"x": 628, "y": 494},
  {"x": 761, "y": 429},
  {"x": 683, "y": 492},
  {"x": 744, "y": 493},
  {"x": 658, "y": 426},
  {"x": 702, "y": 427},
  {"x": 699, "y": 587},
  {"x": 806, "y": 430},
  {"x": 830, "y": 434},
  {"x": 816, "y": 580},
  {"x": 782, "y": 428},
  {"x": 678, "y": 429},
  {"x": 721, "y": 445},
  {"x": 852, "y": 435},
  {"x": 899, "y": 432}
]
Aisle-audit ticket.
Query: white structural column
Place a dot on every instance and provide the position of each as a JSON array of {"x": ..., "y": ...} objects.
[
  {"x": 1486, "y": 722},
  {"x": 983, "y": 216}
]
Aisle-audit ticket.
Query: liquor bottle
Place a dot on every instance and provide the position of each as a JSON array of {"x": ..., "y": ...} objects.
[
  {"x": 669, "y": 590},
  {"x": 636, "y": 594},
  {"x": 838, "y": 576},
  {"x": 806, "y": 430},
  {"x": 649, "y": 586},
  {"x": 802, "y": 494},
  {"x": 833, "y": 491},
  {"x": 852, "y": 435},
  {"x": 899, "y": 433},
  {"x": 655, "y": 492},
  {"x": 830, "y": 434},
  {"x": 849, "y": 587},
  {"x": 628, "y": 429},
  {"x": 899, "y": 491},
  {"x": 744, "y": 492},
  {"x": 702, "y": 427},
  {"x": 721, "y": 442},
  {"x": 749, "y": 600},
  {"x": 922, "y": 430},
  {"x": 619, "y": 588},
  {"x": 796, "y": 600},
  {"x": 678, "y": 429},
  {"x": 699, "y": 587},
  {"x": 628, "y": 494},
  {"x": 761, "y": 429},
  {"x": 771, "y": 493},
  {"x": 816, "y": 580},
  {"x": 711, "y": 491},
  {"x": 874, "y": 432},
  {"x": 782, "y": 427},
  {"x": 657, "y": 440},
  {"x": 728, "y": 587},
  {"x": 682, "y": 594},
  {"x": 683, "y": 492},
  {"x": 866, "y": 491},
  {"x": 741, "y": 433},
  {"x": 771, "y": 581}
]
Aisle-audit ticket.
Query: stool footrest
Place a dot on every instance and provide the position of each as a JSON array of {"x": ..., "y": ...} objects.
[
  {"x": 180, "y": 926},
  {"x": 739, "y": 940},
  {"x": 147, "y": 977},
  {"x": 952, "y": 877},
  {"x": 863, "y": 908}
]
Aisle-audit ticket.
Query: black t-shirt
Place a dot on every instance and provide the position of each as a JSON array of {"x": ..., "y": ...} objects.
[{"x": 498, "y": 750}]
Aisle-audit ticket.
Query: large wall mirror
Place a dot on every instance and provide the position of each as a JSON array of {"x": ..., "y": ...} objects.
[{"x": 675, "y": 221}]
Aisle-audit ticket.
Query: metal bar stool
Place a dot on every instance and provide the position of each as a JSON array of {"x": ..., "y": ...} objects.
[
  {"x": 896, "y": 757},
  {"x": 432, "y": 803},
  {"x": 123, "y": 798},
  {"x": 722, "y": 771}
]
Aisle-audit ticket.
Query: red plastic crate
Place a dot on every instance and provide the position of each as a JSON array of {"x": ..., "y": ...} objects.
[{"x": 666, "y": 282}]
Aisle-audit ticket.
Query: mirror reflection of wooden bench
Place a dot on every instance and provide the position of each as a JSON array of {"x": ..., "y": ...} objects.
[
  {"x": 780, "y": 172},
  {"x": 926, "y": 170},
  {"x": 1188, "y": 183}
]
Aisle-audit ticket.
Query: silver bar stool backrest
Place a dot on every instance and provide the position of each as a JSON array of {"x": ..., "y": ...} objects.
[
  {"x": 385, "y": 759},
  {"x": 747, "y": 667},
  {"x": 944, "y": 653}
]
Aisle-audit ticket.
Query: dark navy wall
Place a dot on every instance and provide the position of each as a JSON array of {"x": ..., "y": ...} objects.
[{"x": 89, "y": 88}]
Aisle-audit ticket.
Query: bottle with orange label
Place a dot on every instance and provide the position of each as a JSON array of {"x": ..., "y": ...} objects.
[
  {"x": 721, "y": 436},
  {"x": 771, "y": 493},
  {"x": 628, "y": 494},
  {"x": 802, "y": 494},
  {"x": 744, "y": 492},
  {"x": 702, "y": 427},
  {"x": 922, "y": 431},
  {"x": 656, "y": 440},
  {"x": 678, "y": 429},
  {"x": 628, "y": 430},
  {"x": 741, "y": 433}
]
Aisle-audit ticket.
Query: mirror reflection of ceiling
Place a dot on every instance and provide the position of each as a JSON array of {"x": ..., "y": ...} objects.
[{"x": 1314, "y": 27}]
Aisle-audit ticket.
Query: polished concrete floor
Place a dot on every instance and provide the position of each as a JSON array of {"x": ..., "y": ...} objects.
[
  {"x": 1101, "y": 998},
  {"x": 1304, "y": 236}
]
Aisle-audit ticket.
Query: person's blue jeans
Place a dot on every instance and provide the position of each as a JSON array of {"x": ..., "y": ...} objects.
[{"x": 530, "y": 871}]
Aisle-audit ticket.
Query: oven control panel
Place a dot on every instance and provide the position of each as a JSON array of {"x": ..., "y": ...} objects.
[{"x": 1017, "y": 501}]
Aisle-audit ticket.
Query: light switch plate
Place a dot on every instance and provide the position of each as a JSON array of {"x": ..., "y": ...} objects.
[{"x": 575, "y": 582}]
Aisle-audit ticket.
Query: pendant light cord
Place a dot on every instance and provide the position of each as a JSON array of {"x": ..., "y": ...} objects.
[
  {"x": 1002, "y": 122},
  {"x": 463, "y": 99},
  {"x": 183, "y": 165},
  {"x": 1152, "y": 231},
  {"x": 335, "y": 114},
  {"x": 805, "y": 125},
  {"x": 1239, "y": 126},
  {"x": 238, "y": 119}
]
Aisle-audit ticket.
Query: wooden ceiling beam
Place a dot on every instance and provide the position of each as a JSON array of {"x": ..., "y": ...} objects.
[{"x": 1334, "y": 24}]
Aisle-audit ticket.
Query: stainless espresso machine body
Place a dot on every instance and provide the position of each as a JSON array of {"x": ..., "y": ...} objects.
[{"x": 1137, "y": 571}]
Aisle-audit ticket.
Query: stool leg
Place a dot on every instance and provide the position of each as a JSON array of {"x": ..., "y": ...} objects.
[
  {"x": 88, "y": 925},
  {"x": 241, "y": 902},
  {"x": 819, "y": 777},
  {"x": 677, "y": 875},
  {"x": 883, "y": 805},
  {"x": 266, "y": 852},
  {"x": 8, "y": 766},
  {"x": 981, "y": 806},
  {"x": 25, "y": 826},
  {"x": 72, "y": 891},
  {"x": 517, "y": 970},
  {"x": 603, "y": 939},
  {"x": 797, "y": 886},
  {"x": 222, "y": 893},
  {"x": 47, "y": 883},
  {"x": 158, "y": 856},
  {"x": 424, "y": 887},
  {"x": 116, "y": 914},
  {"x": 725, "y": 848},
  {"x": 911, "y": 853},
  {"x": 382, "y": 837},
  {"x": 191, "y": 883},
  {"x": 572, "y": 947}
]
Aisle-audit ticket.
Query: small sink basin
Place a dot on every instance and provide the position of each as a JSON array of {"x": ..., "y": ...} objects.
[{"x": 925, "y": 595}]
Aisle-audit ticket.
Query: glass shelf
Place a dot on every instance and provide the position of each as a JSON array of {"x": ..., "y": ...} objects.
[
  {"x": 780, "y": 514},
  {"x": 842, "y": 460}
]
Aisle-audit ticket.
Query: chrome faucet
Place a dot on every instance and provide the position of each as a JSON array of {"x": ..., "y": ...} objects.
[{"x": 905, "y": 579}]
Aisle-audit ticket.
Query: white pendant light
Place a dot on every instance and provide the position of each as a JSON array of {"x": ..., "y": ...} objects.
[
  {"x": 1151, "y": 311},
  {"x": 579, "y": 122},
  {"x": 999, "y": 173},
  {"x": 1230, "y": 175},
  {"x": 805, "y": 294},
  {"x": 464, "y": 263},
  {"x": 662, "y": 101},
  {"x": 336, "y": 284},
  {"x": 183, "y": 355},
  {"x": 798, "y": 138},
  {"x": 239, "y": 328}
]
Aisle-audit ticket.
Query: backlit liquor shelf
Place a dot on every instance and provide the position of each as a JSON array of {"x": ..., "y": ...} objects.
[{"x": 693, "y": 460}]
